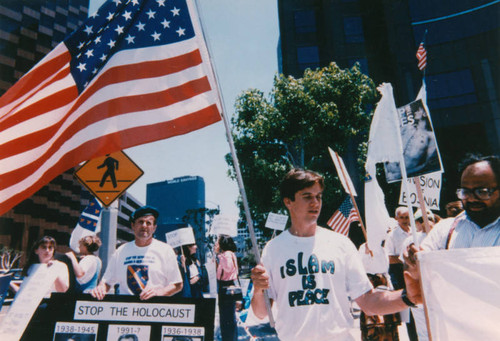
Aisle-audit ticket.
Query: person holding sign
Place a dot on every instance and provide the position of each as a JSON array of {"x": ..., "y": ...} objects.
[
  {"x": 479, "y": 225},
  {"x": 312, "y": 273},
  {"x": 42, "y": 255},
  {"x": 190, "y": 268},
  {"x": 145, "y": 266}
]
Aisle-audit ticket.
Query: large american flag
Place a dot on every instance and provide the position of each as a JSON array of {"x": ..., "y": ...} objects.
[
  {"x": 137, "y": 71},
  {"x": 343, "y": 217},
  {"x": 422, "y": 56}
]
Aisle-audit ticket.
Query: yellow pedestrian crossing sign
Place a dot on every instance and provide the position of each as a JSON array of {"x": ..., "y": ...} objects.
[{"x": 107, "y": 177}]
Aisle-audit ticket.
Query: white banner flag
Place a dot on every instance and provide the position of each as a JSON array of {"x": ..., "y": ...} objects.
[{"x": 462, "y": 292}]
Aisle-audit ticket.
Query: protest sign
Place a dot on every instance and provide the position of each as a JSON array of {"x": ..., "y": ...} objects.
[
  {"x": 276, "y": 221},
  {"x": 159, "y": 318},
  {"x": 420, "y": 150},
  {"x": 462, "y": 292},
  {"x": 29, "y": 296},
  {"x": 224, "y": 224},
  {"x": 431, "y": 188},
  {"x": 179, "y": 237}
]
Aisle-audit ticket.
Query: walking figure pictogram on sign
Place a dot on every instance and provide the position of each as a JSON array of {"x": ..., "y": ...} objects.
[
  {"x": 120, "y": 172},
  {"x": 111, "y": 164}
]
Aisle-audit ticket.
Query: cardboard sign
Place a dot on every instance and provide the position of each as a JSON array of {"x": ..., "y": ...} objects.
[
  {"x": 276, "y": 221},
  {"x": 431, "y": 189},
  {"x": 159, "y": 318},
  {"x": 29, "y": 296},
  {"x": 224, "y": 224},
  {"x": 179, "y": 237}
]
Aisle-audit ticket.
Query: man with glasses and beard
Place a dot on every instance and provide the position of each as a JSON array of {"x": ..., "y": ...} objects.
[{"x": 479, "y": 225}]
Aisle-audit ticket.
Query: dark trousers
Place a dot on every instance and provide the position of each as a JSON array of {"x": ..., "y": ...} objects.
[{"x": 227, "y": 317}]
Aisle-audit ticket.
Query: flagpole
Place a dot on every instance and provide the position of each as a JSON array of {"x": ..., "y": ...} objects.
[
  {"x": 404, "y": 175},
  {"x": 423, "y": 208},
  {"x": 239, "y": 177},
  {"x": 354, "y": 203}
]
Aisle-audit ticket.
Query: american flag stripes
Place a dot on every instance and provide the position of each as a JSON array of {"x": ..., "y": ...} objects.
[
  {"x": 135, "y": 72},
  {"x": 343, "y": 217},
  {"x": 422, "y": 57}
]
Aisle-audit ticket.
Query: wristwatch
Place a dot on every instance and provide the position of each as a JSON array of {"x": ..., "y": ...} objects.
[{"x": 406, "y": 300}]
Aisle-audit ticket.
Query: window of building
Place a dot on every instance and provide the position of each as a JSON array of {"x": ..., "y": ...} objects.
[
  {"x": 308, "y": 57},
  {"x": 305, "y": 21},
  {"x": 450, "y": 89},
  {"x": 353, "y": 30}
]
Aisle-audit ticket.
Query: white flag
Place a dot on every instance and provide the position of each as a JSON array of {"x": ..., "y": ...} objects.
[
  {"x": 462, "y": 293},
  {"x": 382, "y": 147},
  {"x": 89, "y": 224}
]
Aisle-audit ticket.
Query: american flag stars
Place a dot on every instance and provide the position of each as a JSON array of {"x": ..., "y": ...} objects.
[{"x": 122, "y": 25}]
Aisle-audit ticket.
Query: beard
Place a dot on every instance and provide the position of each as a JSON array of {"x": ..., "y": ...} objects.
[{"x": 484, "y": 216}]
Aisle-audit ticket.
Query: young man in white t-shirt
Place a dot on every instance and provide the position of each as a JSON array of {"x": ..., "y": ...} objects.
[
  {"x": 145, "y": 267},
  {"x": 313, "y": 273}
]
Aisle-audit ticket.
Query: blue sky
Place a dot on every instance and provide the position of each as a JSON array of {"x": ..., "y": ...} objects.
[{"x": 242, "y": 36}]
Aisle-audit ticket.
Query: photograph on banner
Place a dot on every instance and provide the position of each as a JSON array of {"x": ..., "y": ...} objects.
[
  {"x": 225, "y": 224},
  {"x": 420, "y": 150},
  {"x": 179, "y": 237},
  {"x": 126, "y": 332},
  {"x": 66, "y": 331},
  {"x": 431, "y": 190},
  {"x": 276, "y": 221}
]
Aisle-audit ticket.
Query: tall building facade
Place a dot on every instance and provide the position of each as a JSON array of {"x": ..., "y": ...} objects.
[
  {"x": 181, "y": 202},
  {"x": 463, "y": 65},
  {"x": 29, "y": 29}
]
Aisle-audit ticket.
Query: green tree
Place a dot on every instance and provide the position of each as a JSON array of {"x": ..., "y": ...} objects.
[{"x": 293, "y": 127}]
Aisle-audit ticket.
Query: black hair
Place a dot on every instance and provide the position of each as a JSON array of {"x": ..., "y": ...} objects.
[
  {"x": 226, "y": 243},
  {"x": 492, "y": 160},
  {"x": 190, "y": 258}
]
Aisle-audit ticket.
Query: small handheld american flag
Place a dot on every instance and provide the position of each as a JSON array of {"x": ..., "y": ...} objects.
[{"x": 343, "y": 217}]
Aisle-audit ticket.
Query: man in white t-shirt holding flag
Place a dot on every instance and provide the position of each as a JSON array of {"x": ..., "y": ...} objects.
[{"x": 313, "y": 273}]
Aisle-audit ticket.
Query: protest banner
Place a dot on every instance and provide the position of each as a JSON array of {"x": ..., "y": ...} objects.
[
  {"x": 276, "y": 221},
  {"x": 431, "y": 188},
  {"x": 179, "y": 237},
  {"x": 461, "y": 288},
  {"x": 420, "y": 150},
  {"x": 159, "y": 318},
  {"x": 29, "y": 296},
  {"x": 223, "y": 224}
]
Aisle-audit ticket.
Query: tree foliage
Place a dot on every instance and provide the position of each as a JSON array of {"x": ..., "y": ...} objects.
[{"x": 293, "y": 127}]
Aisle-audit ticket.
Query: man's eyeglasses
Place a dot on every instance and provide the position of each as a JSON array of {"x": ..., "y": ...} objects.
[{"x": 481, "y": 193}]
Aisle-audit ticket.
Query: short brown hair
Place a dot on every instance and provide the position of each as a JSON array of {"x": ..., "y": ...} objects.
[
  {"x": 297, "y": 179},
  {"x": 92, "y": 243}
]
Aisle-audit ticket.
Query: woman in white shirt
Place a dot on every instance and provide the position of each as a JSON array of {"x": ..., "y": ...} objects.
[{"x": 88, "y": 269}]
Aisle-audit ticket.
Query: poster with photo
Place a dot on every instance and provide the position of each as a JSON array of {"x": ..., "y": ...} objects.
[{"x": 420, "y": 150}]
